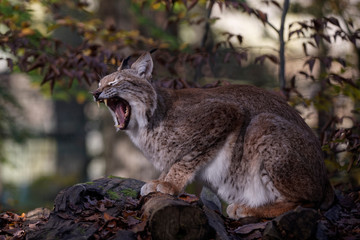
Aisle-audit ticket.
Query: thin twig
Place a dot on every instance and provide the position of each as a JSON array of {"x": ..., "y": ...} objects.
[{"x": 273, "y": 27}]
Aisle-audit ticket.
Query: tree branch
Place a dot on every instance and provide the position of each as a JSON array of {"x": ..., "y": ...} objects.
[{"x": 282, "y": 79}]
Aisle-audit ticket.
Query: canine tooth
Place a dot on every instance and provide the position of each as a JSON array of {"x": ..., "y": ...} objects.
[
  {"x": 105, "y": 101},
  {"x": 98, "y": 103},
  {"x": 117, "y": 126}
]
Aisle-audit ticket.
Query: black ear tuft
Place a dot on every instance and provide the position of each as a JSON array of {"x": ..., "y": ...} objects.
[
  {"x": 153, "y": 50},
  {"x": 124, "y": 64}
]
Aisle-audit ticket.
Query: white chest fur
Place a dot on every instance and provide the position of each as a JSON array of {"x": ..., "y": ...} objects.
[
  {"x": 254, "y": 188},
  {"x": 215, "y": 172}
]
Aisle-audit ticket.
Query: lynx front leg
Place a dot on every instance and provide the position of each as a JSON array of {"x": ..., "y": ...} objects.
[
  {"x": 173, "y": 182},
  {"x": 179, "y": 175}
]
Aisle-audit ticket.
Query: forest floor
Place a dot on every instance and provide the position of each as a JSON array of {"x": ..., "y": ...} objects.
[{"x": 111, "y": 208}]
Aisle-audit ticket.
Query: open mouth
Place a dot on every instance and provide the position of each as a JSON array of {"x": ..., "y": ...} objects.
[{"x": 122, "y": 110}]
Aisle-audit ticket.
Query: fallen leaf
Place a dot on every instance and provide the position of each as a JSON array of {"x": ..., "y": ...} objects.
[
  {"x": 101, "y": 208},
  {"x": 190, "y": 198},
  {"x": 107, "y": 217},
  {"x": 246, "y": 229},
  {"x": 132, "y": 221}
]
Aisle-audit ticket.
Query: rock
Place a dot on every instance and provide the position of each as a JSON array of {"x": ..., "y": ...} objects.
[
  {"x": 81, "y": 211},
  {"x": 217, "y": 223},
  {"x": 271, "y": 232},
  {"x": 333, "y": 214},
  {"x": 300, "y": 223},
  {"x": 210, "y": 199}
]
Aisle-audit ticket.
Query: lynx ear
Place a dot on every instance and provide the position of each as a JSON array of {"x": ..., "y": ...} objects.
[{"x": 144, "y": 65}]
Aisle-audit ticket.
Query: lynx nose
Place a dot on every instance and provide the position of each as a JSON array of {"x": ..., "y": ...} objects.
[{"x": 96, "y": 95}]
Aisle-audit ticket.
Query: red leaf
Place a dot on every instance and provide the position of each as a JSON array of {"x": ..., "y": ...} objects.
[
  {"x": 240, "y": 38},
  {"x": 311, "y": 63},
  {"x": 92, "y": 218},
  {"x": 317, "y": 39},
  {"x": 334, "y": 21},
  {"x": 67, "y": 73},
  {"x": 305, "y": 49},
  {"x": 248, "y": 228},
  {"x": 276, "y": 4},
  {"x": 261, "y": 15},
  {"x": 107, "y": 217},
  {"x": 352, "y": 38},
  {"x": 229, "y": 37},
  {"x": 55, "y": 70},
  {"x": 304, "y": 73},
  {"x": 318, "y": 24},
  {"x": 341, "y": 61},
  {"x": 326, "y": 38},
  {"x": 131, "y": 221},
  {"x": 101, "y": 208},
  {"x": 272, "y": 58},
  {"x": 260, "y": 59},
  {"x": 291, "y": 33},
  {"x": 311, "y": 43},
  {"x": 246, "y": 8}
]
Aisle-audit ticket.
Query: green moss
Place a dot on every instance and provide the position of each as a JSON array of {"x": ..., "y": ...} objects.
[
  {"x": 112, "y": 177},
  {"x": 89, "y": 183},
  {"x": 81, "y": 231},
  {"x": 113, "y": 195},
  {"x": 129, "y": 192}
]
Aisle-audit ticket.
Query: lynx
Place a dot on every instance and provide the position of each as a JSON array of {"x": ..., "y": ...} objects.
[{"x": 246, "y": 144}]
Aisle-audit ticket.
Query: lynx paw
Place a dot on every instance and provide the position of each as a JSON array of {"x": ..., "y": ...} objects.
[
  {"x": 236, "y": 211},
  {"x": 148, "y": 188},
  {"x": 158, "y": 186}
]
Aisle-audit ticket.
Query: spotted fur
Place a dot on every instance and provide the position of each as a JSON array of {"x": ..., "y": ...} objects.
[{"x": 246, "y": 144}]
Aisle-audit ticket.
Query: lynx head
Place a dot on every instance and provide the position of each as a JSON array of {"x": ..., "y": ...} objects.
[{"x": 128, "y": 93}]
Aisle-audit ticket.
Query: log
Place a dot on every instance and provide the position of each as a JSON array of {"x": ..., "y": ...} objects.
[
  {"x": 170, "y": 218},
  {"x": 111, "y": 208}
]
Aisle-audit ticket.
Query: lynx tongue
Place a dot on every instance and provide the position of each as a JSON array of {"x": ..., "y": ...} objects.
[
  {"x": 121, "y": 108},
  {"x": 120, "y": 112}
]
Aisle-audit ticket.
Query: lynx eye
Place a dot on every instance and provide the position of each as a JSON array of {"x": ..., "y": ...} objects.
[{"x": 112, "y": 83}]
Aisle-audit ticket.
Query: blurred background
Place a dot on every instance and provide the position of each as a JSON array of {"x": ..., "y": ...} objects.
[{"x": 53, "y": 53}]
